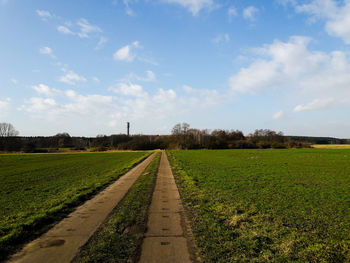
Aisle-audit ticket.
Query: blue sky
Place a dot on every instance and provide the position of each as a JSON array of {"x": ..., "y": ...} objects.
[{"x": 87, "y": 67}]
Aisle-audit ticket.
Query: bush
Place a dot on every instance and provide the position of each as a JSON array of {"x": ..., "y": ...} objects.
[
  {"x": 99, "y": 149},
  {"x": 29, "y": 148},
  {"x": 263, "y": 145},
  {"x": 278, "y": 145},
  {"x": 78, "y": 148}
]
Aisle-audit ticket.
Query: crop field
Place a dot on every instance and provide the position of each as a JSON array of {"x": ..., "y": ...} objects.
[
  {"x": 267, "y": 205},
  {"x": 331, "y": 146},
  {"x": 38, "y": 189}
]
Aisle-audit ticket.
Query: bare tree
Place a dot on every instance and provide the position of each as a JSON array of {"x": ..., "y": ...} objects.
[
  {"x": 176, "y": 129},
  {"x": 7, "y": 130},
  {"x": 185, "y": 127}
]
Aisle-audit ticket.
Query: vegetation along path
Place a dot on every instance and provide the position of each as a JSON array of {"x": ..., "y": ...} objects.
[
  {"x": 63, "y": 241},
  {"x": 166, "y": 237}
]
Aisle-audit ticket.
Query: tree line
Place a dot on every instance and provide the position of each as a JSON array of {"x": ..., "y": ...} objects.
[{"x": 182, "y": 137}]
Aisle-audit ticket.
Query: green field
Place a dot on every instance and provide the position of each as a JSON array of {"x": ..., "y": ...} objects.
[
  {"x": 267, "y": 205},
  {"x": 38, "y": 189}
]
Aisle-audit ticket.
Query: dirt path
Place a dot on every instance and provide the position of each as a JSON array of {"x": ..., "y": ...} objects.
[
  {"x": 62, "y": 242},
  {"x": 165, "y": 240}
]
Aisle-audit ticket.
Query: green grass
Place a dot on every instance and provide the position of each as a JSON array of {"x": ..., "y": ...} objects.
[
  {"x": 36, "y": 190},
  {"x": 267, "y": 205},
  {"x": 120, "y": 236}
]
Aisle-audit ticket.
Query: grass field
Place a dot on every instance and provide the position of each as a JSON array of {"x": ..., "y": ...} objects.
[
  {"x": 267, "y": 205},
  {"x": 119, "y": 238},
  {"x": 38, "y": 189}
]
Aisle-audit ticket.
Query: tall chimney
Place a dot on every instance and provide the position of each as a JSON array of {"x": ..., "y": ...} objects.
[{"x": 128, "y": 128}]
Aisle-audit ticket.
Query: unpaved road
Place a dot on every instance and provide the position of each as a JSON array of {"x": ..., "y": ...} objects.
[
  {"x": 63, "y": 241},
  {"x": 165, "y": 239}
]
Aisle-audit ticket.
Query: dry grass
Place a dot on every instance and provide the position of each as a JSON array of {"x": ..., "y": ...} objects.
[{"x": 331, "y": 146}]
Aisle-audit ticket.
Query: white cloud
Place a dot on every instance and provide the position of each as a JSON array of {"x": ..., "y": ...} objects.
[
  {"x": 44, "y": 14},
  {"x": 126, "y": 53},
  {"x": 221, "y": 38},
  {"x": 126, "y": 3},
  {"x": 337, "y": 16},
  {"x": 4, "y": 107},
  {"x": 96, "y": 79},
  {"x": 46, "y": 51},
  {"x": 150, "y": 76},
  {"x": 250, "y": 12},
  {"x": 131, "y": 103},
  {"x": 138, "y": 104},
  {"x": 316, "y": 104},
  {"x": 292, "y": 66},
  {"x": 188, "y": 89},
  {"x": 128, "y": 10},
  {"x": 164, "y": 95},
  {"x": 86, "y": 28},
  {"x": 163, "y": 104},
  {"x": 194, "y": 6},
  {"x": 14, "y": 81},
  {"x": 148, "y": 60},
  {"x": 65, "y": 30},
  {"x": 40, "y": 105},
  {"x": 43, "y": 89},
  {"x": 278, "y": 115},
  {"x": 71, "y": 77},
  {"x": 259, "y": 75},
  {"x": 129, "y": 89},
  {"x": 101, "y": 43},
  {"x": 317, "y": 8},
  {"x": 136, "y": 44},
  {"x": 201, "y": 97},
  {"x": 75, "y": 107},
  {"x": 89, "y": 102},
  {"x": 232, "y": 12}
]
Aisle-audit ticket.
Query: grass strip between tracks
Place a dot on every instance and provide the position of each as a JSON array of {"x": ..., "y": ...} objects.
[{"x": 120, "y": 236}]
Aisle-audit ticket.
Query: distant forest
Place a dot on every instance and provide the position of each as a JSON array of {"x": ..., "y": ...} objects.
[{"x": 182, "y": 137}]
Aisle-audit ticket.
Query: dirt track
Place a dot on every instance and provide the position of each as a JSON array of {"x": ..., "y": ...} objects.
[
  {"x": 165, "y": 240},
  {"x": 63, "y": 241}
]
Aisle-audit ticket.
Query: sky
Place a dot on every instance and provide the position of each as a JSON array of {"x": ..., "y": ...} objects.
[{"x": 87, "y": 67}]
